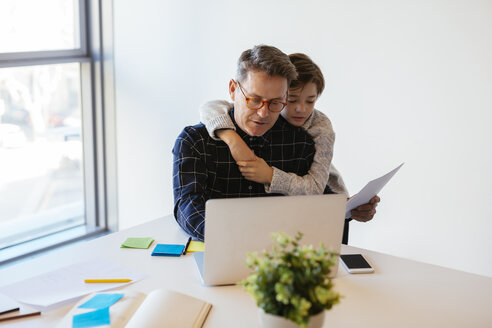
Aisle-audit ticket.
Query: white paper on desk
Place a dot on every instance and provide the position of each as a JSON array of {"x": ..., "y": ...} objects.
[
  {"x": 68, "y": 282},
  {"x": 371, "y": 189},
  {"x": 7, "y": 304}
]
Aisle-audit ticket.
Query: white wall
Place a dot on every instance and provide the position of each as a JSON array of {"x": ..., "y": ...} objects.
[{"x": 406, "y": 81}]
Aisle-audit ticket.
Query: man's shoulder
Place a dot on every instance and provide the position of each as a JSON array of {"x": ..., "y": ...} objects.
[
  {"x": 194, "y": 133},
  {"x": 192, "y": 137}
]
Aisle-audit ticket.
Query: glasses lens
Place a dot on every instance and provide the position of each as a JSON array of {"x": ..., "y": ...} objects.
[
  {"x": 276, "y": 106},
  {"x": 255, "y": 103}
]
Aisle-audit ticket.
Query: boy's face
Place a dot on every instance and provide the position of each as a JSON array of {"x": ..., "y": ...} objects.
[{"x": 300, "y": 104}]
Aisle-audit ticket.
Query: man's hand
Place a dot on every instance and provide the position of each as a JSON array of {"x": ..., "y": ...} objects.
[
  {"x": 239, "y": 149},
  {"x": 257, "y": 170},
  {"x": 365, "y": 212}
]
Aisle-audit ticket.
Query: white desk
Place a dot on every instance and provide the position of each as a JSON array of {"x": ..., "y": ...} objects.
[{"x": 401, "y": 293}]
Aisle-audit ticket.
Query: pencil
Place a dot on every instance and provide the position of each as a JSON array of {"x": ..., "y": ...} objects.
[
  {"x": 187, "y": 244},
  {"x": 8, "y": 311},
  {"x": 20, "y": 315},
  {"x": 106, "y": 280}
]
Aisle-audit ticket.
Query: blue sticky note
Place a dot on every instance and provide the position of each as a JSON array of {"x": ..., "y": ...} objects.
[
  {"x": 92, "y": 319},
  {"x": 101, "y": 301},
  {"x": 168, "y": 250}
]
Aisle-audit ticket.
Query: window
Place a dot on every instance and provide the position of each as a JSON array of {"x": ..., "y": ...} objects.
[
  {"x": 52, "y": 138},
  {"x": 28, "y": 25}
]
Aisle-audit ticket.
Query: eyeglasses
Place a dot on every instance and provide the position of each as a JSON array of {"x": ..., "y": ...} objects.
[{"x": 274, "y": 106}]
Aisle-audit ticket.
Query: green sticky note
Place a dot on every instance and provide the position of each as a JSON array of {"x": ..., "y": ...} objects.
[{"x": 138, "y": 242}]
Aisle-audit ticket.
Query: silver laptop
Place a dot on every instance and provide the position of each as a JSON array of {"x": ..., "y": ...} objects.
[{"x": 237, "y": 226}]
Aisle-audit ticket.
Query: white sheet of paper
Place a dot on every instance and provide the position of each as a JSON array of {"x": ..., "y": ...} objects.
[
  {"x": 68, "y": 282},
  {"x": 7, "y": 304},
  {"x": 371, "y": 189}
]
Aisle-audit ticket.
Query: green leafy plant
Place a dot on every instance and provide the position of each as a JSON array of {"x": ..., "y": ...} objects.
[{"x": 292, "y": 280}]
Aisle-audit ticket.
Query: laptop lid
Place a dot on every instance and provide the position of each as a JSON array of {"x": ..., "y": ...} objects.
[{"x": 237, "y": 226}]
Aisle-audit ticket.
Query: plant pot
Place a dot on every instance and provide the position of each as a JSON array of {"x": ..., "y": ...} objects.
[{"x": 268, "y": 320}]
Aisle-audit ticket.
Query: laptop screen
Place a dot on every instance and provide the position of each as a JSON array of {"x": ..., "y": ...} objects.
[{"x": 236, "y": 226}]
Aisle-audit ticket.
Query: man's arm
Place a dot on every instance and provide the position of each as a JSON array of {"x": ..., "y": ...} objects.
[{"x": 189, "y": 184}]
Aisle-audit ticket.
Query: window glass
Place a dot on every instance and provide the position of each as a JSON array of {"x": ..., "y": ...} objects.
[
  {"x": 38, "y": 25},
  {"x": 41, "y": 165}
]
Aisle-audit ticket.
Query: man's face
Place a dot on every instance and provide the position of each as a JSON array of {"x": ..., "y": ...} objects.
[{"x": 257, "y": 85}]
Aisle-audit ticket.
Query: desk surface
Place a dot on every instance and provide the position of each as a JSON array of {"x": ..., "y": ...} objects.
[{"x": 401, "y": 293}]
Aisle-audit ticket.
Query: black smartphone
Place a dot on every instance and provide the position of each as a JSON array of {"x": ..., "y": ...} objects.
[{"x": 356, "y": 263}]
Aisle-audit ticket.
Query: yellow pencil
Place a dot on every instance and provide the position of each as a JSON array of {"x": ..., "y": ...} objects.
[{"x": 106, "y": 280}]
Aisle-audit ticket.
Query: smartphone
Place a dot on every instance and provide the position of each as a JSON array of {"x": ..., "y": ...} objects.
[{"x": 356, "y": 263}]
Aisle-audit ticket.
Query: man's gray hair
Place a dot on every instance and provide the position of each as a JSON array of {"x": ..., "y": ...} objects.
[{"x": 266, "y": 59}]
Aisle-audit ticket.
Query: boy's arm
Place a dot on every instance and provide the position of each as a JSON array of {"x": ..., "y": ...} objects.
[
  {"x": 215, "y": 116},
  {"x": 336, "y": 183},
  {"x": 315, "y": 181}
]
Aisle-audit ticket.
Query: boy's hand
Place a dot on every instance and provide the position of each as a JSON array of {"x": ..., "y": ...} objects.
[
  {"x": 239, "y": 149},
  {"x": 257, "y": 170}
]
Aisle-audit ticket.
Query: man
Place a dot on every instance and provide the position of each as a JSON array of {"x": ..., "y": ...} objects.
[{"x": 204, "y": 168}]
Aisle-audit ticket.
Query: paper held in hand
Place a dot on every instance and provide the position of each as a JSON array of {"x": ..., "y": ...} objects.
[{"x": 371, "y": 189}]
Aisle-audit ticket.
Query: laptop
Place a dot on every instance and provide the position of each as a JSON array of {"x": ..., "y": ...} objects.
[{"x": 236, "y": 226}]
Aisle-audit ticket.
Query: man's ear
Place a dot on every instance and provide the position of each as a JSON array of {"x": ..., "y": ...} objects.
[{"x": 232, "y": 89}]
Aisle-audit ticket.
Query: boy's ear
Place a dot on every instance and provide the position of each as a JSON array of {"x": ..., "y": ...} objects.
[{"x": 232, "y": 89}]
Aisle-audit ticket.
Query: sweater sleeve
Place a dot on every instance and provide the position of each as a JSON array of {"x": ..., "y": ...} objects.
[
  {"x": 315, "y": 181},
  {"x": 336, "y": 183},
  {"x": 215, "y": 115}
]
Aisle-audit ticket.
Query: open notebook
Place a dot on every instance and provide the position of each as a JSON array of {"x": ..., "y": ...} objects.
[{"x": 160, "y": 308}]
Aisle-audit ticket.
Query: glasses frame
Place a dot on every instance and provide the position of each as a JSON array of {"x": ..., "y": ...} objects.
[{"x": 263, "y": 102}]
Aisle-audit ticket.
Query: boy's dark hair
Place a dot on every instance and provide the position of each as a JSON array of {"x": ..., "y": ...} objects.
[{"x": 307, "y": 72}]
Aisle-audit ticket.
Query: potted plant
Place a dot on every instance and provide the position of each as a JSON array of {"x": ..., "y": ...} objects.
[{"x": 290, "y": 284}]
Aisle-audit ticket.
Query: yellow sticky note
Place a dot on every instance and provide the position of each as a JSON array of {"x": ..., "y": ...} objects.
[{"x": 196, "y": 246}]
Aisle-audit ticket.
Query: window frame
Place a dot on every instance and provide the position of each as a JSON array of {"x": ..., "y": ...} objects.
[
  {"x": 27, "y": 58},
  {"x": 95, "y": 56}
]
